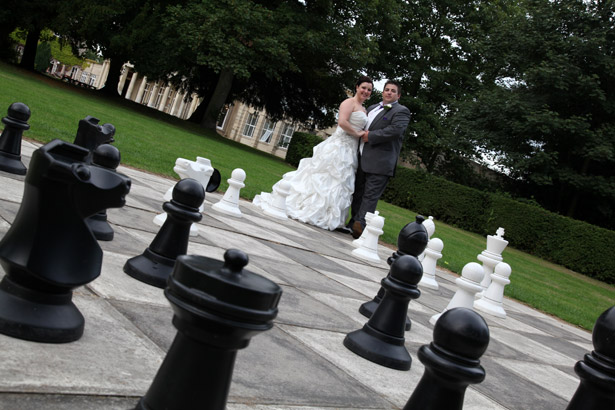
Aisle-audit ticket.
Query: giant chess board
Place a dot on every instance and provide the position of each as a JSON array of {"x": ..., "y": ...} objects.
[{"x": 301, "y": 362}]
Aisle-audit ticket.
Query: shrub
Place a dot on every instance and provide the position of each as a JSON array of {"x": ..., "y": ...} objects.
[
  {"x": 301, "y": 146},
  {"x": 577, "y": 245}
]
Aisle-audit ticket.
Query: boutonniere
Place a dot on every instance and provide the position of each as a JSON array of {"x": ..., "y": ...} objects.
[{"x": 387, "y": 107}]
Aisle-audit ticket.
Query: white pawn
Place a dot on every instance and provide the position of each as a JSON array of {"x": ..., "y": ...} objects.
[
  {"x": 199, "y": 170},
  {"x": 431, "y": 228},
  {"x": 492, "y": 299},
  {"x": 467, "y": 286},
  {"x": 432, "y": 253},
  {"x": 368, "y": 218},
  {"x": 229, "y": 204},
  {"x": 369, "y": 248},
  {"x": 277, "y": 207}
]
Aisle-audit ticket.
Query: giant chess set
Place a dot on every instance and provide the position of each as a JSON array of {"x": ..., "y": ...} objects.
[{"x": 125, "y": 290}]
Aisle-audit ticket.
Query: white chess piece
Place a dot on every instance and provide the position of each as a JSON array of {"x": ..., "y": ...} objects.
[
  {"x": 491, "y": 256},
  {"x": 430, "y": 226},
  {"x": 277, "y": 207},
  {"x": 199, "y": 170},
  {"x": 368, "y": 218},
  {"x": 492, "y": 299},
  {"x": 467, "y": 286},
  {"x": 369, "y": 248},
  {"x": 432, "y": 253},
  {"x": 229, "y": 204}
]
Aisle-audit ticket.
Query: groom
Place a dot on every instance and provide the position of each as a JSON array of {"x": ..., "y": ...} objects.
[{"x": 378, "y": 152}]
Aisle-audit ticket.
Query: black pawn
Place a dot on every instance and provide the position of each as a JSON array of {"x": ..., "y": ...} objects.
[
  {"x": 106, "y": 156},
  {"x": 381, "y": 340},
  {"x": 218, "y": 307},
  {"x": 412, "y": 240},
  {"x": 90, "y": 135},
  {"x": 597, "y": 369},
  {"x": 49, "y": 249},
  {"x": 460, "y": 338},
  {"x": 155, "y": 264},
  {"x": 16, "y": 122}
]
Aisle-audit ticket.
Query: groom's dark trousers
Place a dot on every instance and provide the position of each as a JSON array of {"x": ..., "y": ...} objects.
[{"x": 368, "y": 189}]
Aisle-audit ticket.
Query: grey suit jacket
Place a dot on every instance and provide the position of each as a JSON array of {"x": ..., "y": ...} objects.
[{"x": 385, "y": 137}]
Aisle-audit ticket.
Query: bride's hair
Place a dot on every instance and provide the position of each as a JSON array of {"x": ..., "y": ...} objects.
[{"x": 364, "y": 79}]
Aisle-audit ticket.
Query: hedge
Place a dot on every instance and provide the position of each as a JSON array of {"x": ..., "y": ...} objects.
[
  {"x": 301, "y": 146},
  {"x": 577, "y": 245}
]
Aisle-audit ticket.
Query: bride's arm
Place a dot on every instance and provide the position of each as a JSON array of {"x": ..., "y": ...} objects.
[{"x": 343, "y": 118}]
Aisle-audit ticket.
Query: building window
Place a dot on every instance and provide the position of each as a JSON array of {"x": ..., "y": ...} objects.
[
  {"x": 170, "y": 101},
  {"x": 186, "y": 111},
  {"x": 92, "y": 79},
  {"x": 286, "y": 136},
  {"x": 222, "y": 116},
  {"x": 146, "y": 93},
  {"x": 159, "y": 96},
  {"x": 73, "y": 73},
  {"x": 248, "y": 129},
  {"x": 84, "y": 77},
  {"x": 268, "y": 129}
]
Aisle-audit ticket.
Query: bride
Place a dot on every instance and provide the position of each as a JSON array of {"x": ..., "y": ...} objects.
[{"x": 321, "y": 188}]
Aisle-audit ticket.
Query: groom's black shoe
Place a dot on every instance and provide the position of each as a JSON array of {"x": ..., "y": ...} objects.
[
  {"x": 357, "y": 229},
  {"x": 344, "y": 229}
]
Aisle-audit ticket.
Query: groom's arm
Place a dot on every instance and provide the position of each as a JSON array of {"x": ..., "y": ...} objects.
[{"x": 399, "y": 122}]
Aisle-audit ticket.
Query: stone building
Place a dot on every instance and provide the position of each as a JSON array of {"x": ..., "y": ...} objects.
[{"x": 237, "y": 121}]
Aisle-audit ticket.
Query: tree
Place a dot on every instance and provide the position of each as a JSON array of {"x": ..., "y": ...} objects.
[
  {"x": 295, "y": 59},
  {"x": 114, "y": 29},
  {"x": 33, "y": 17},
  {"x": 43, "y": 57},
  {"x": 547, "y": 111},
  {"x": 436, "y": 57}
]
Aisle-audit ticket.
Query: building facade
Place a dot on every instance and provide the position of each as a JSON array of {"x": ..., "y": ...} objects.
[{"x": 236, "y": 121}]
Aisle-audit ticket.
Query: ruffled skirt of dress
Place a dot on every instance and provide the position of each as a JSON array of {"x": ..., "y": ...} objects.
[{"x": 321, "y": 188}]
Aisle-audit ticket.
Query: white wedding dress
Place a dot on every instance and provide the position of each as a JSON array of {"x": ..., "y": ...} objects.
[{"x": 321, "y": 188}]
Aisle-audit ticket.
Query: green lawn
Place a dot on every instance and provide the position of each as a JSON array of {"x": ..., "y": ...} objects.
[{"x": 151, "y": 141}]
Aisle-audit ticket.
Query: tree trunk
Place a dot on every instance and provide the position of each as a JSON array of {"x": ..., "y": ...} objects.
[
  {"x": 29, "y": 51},
  {"x": 113, "y": 78},
  {"x": 218, "y": 98}
]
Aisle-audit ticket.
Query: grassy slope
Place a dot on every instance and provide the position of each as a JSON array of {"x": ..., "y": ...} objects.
[{"x": 152, "y": 141}]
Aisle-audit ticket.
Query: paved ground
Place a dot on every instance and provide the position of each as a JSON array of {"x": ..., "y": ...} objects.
[{"x": 301, "y": 362}]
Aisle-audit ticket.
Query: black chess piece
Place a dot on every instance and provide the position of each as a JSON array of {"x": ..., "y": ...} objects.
[
  {"x": 90, "y": 135},
  {"x": 218, "y": 307},
  {"x": 412, "y": 240},
  {"x": 596, "y": 390},
  {"x": 155, "y": 264},
  {"x": 49, "y": 250},
  {"x": 460, "y": 337},
  {"x": 106, "y": 156},
  {"x": 16, "y": 122},
  {"x": 381, "y": 340}
]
